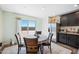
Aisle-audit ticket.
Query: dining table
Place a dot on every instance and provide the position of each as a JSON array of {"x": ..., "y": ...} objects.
[{"x": 40, "y": 39}]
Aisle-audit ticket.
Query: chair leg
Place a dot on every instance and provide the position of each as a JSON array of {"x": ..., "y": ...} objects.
[
  {"x": 48, "y": 46},
  {"x": 26, "y": 50},
  {"x": 18, "y": 51},
  {"x": 50, "y": 50},
  {"x": 19, "y": 48},
  {"x": 41, "y": 49}
]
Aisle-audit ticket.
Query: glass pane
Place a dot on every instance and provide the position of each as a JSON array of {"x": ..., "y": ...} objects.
[
  {"x": 27, "y": 27},
  {"x": 32, "y": 23},
  {"x": 24, "y": 23},
  {"x": 31, "y": 32},
  {"x": 31, "y": 28},
  {"x": 53, "y": 27},
  {"x": 49, "y": 27}
]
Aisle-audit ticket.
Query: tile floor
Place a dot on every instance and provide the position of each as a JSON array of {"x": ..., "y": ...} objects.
[{"x": 56, "y": 49}]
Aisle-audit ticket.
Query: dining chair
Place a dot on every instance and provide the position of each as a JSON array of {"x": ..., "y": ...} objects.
[
  {"x": 18, "y": 38},
  {"x": 31, "y": 45},
  {"x": 38, "y": 33},
  {"x": 48, "y": 41},
  {"x": 21, "y": 39}
]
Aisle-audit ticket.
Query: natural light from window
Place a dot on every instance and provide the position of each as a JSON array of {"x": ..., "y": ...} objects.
[{"x": 28, "y": 27}]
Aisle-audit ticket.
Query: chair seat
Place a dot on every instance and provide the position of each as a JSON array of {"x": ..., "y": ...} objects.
[
  {"x": 21, "y": 45},
  {"x": 39, "y": 42},
  {"x": 45, "y": 42}
]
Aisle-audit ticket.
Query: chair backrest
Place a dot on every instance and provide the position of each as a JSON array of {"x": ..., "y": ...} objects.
[
  {"x": 18, "y": 38},
  {"x": 50, "y": 37},
  {"x": 31, "y": 45},
  {"x": 38, "y": 32},
  {"x": 0, "y": 44}
]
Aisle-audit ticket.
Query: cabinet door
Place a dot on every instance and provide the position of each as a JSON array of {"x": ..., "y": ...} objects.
[
  {"x": 76, "y": 19},
  {"x": 67, "y": 39},
  {"x": 62, "y": 38},
  {"x": 76, "y": 22},
  {"x": 77, "y": 41},
  {"x": 72, "y": 40},
  {"x": 63, "y": 21},
  {"x": 71, "y": 20}
]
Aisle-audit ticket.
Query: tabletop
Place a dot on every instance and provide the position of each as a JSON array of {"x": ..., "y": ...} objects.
[
  {"x": 41, "y": 38},
  {"x": 30, "y": 36}
]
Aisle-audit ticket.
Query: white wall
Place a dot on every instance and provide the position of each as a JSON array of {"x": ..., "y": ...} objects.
[
  {"x": 10, "y": 25},
  {"x": 1, "y": 26},
  {"x": 45, "y": 26}
]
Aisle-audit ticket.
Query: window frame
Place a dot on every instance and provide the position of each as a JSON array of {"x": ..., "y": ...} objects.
[{"x": 28, "y": 25}]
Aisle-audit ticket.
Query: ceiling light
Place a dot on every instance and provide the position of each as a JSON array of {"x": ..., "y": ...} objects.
[
  {"x": 76, "y": 5},
  {"x": 43, "y": 8}
]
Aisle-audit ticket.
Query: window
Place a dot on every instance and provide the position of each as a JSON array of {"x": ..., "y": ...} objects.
[
  {"x": 28, "y": 26},
  {"x": 24, "y": 25},
  {"x": 51, "y": 27}
]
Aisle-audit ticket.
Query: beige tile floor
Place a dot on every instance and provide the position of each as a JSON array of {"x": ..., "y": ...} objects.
[
  {"x": 56, "y": 49},
  {"x": 74, "y": 50}
]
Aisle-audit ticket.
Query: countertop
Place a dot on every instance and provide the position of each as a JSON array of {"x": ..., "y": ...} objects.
[{"x": 70, "y": 33}]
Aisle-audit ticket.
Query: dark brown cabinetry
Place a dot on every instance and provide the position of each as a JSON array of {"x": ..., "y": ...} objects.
[
  {"x": 71, "y": 19},
  {"x": 62, "y": 38},
  {"x": 72, "y": 40},
  {"x": 69, "y": 39}
]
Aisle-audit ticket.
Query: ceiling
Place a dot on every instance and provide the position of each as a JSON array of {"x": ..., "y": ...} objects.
[{"x": 39, "y": 10}]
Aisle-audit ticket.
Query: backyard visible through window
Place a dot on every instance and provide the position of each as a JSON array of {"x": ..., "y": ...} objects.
[{"x": 28, "y": 27}]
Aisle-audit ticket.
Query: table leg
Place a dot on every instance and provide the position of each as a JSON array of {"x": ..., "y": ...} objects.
[{"x": 41, "y": 48}]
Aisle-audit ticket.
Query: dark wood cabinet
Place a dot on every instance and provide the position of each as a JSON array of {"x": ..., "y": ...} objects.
[
  {"x": 70, "y": 19},
  {"x": 63, "y": 21},
  {"x": 62, "y": 38},
  {"x": 77, "y": 41},
  {"x": 71, "y": 40}
]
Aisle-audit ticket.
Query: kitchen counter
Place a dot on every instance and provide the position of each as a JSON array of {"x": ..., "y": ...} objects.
[{"x": 70, "y": 33}]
